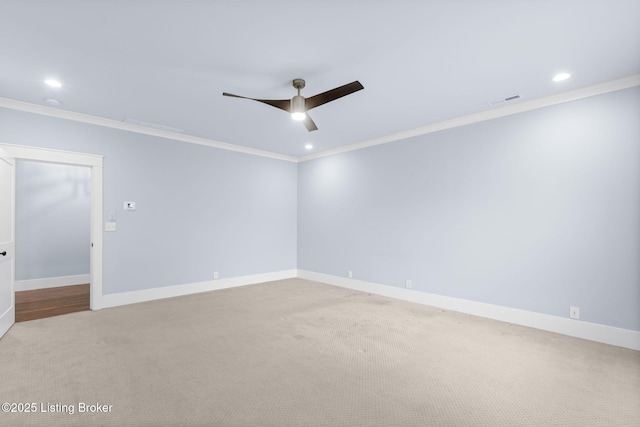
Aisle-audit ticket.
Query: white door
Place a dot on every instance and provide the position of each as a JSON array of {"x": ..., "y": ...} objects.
[{"x": 7, "y": 245}]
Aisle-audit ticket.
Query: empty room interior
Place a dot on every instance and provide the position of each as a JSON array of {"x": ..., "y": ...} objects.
[{"x": 285, "y": 213}]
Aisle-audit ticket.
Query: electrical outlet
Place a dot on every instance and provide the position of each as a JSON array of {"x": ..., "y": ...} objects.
[
  {"x": 215, "y": 275},
  {"x": 407, "y": 284},
  {"x": 350, "y": 274},
  {"x": 574, "y": 312}
]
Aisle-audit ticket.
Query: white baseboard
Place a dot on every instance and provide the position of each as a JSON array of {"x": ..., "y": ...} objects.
[
  {"x": 51, "y": 282},
  {"x": 114, "y": 300},
  {"x": 574, "y": 328},
  {"x": 7, "y": 319}
]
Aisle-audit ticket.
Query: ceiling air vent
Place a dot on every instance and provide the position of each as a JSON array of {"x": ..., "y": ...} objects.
[
  {"x": 153, "y": 125},
  {"x": 503, "y": 100}
]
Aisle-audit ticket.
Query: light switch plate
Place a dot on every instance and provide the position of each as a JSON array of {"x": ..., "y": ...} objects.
[
  {"x": 109, "y": 226},
  {"x": 129, "y": 206}
]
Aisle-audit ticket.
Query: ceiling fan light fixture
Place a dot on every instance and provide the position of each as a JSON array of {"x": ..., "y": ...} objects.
[{"x": 297, "y": 108}]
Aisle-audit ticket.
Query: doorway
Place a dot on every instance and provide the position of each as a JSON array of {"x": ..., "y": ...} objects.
[
  {"x": 94, "y": 163},
  {"x": 52, "y": 231}
]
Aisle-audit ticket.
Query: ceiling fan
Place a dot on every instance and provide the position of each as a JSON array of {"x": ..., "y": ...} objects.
[{"x": 299, "y": 106}]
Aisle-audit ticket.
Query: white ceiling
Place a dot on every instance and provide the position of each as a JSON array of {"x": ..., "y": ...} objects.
[{"x": 421, "y": 62}]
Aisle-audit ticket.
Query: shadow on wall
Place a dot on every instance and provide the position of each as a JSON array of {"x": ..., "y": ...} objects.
[{"x": 53, "y": 205}]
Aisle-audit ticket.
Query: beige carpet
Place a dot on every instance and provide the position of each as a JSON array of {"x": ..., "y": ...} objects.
[{"x": 300, "y": 353}]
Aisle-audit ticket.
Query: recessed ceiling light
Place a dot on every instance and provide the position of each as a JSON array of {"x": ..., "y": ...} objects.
[
  {"x": 308, "y": 146},
  {"x": 53, "y": 83},
  {"x": 52, "y": 101},
  {"x": 561, "y": 76}
]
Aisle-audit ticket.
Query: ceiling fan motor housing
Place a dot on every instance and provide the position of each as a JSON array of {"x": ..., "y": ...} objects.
[{"x": 297, "y": 104}]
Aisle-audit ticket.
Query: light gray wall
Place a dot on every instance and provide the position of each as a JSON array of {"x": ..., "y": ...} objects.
[
  {"x": 53, "y": 205},
  {"x": 199, "y": 209},
  {"x": 536, "y": 211}
]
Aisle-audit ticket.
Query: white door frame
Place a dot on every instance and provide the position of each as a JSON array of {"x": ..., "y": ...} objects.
[{"x": 95, "y": 162}]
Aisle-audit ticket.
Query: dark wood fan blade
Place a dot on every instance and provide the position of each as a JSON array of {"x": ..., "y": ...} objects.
[
  {"x": 332, "y": 95},
  {"x": 309, "y": 124},
  {"x": 283, "y": 104}
]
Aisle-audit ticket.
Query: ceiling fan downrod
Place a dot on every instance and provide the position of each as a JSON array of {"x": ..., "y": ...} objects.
[{"x": 298, "y": 110}]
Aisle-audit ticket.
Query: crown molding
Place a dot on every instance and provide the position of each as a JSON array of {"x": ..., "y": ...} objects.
[
  {"x": 114, "y": 124},
  {"x": 521, "y": 107}
]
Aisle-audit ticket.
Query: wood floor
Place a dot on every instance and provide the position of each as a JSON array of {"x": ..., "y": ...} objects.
[{"x": 41, "y": 303}]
